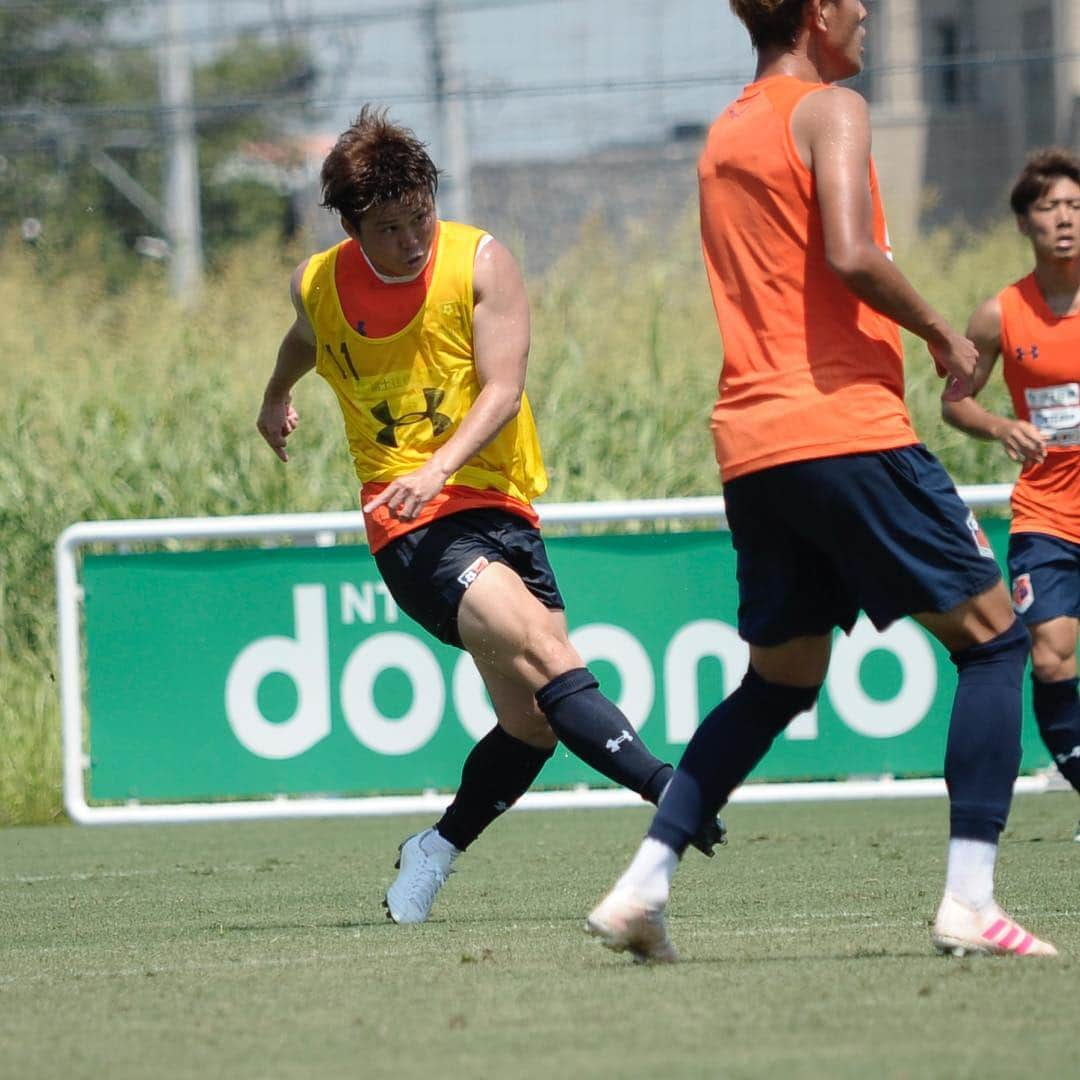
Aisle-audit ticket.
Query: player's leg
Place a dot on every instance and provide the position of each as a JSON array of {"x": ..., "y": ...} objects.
[
  {"x": 502, "y": 766},
  {"x": 1045, "y": 572},
  {"x": 430, "y": 572},
  {"x": 781, "y": 682},
  {"x": 1054, "y": 692},
  {"x": 427, "y": 572},
  {"x": 511, "y": 621},
  {"x": 498, "y": 770},
  {"x": 952, "y": 586},
  {"x": 989, "y": 647},
  {"x": 508, "y": 630},
  {"x": 788, "y": 602}
]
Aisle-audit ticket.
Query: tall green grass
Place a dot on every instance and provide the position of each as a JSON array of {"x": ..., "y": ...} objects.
[{"x": 130, "y": 406}]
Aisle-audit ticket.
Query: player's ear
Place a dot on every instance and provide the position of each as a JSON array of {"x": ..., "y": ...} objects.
[{"x": 350, "y": 229}]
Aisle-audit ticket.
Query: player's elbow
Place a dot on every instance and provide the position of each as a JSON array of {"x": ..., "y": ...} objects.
[
  {"x": 512, "y": 404},
  {"x": 848, "y": 262}
]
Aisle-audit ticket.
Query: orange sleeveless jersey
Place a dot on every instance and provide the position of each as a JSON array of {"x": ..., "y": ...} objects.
[
  {"x": 1041, "y": 356},
  {"x": 809, "y": 370}
]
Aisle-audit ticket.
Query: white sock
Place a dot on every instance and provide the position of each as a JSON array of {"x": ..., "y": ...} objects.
[
  {"x": 970, "y": 873},
  {"x": 650, "y": 872}
]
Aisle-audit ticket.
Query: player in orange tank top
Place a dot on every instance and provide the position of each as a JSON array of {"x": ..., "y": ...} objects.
[
  {"x": 833, "y": 506},
  {"x": 476, "y": 575},
  {"x": 1034, "y": 325}
]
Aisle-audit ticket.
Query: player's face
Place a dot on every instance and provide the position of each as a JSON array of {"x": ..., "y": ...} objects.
[
  {"x": 1052, "y": 222},
  {"x": 842, "y": 40},
  {"x": 397, "y": 236}
]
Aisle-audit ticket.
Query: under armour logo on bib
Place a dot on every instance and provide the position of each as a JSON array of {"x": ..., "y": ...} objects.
[
  {"x": 1033, "y": 352},
  {"x": 387, "y": 436}
]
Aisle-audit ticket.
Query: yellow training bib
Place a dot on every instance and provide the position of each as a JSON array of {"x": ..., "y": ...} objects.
[{"x": 403, "y": 396}]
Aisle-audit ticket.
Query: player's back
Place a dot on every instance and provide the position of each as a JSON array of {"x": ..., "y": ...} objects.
[{"x": 809, "y": 370}]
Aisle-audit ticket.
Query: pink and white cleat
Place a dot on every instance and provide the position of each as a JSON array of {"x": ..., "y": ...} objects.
[
  {"x": 624, "y": 923},
  {"x": 960, "y": 929}
]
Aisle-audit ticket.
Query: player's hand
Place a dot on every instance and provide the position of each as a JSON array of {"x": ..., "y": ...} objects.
[
  {"x": 955, "y": 358},
  {"x": 406, "y": 496},
  {"x": 1023, "y": 442},
  {"x": 277, "y": 421}
]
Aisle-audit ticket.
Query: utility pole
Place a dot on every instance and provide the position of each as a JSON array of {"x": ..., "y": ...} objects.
[
  {"x": 182, "y": 212},
  {"x": 455, "y": 199}
]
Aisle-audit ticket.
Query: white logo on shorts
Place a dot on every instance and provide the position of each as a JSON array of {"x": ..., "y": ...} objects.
[
  {"x": 977, "y": 534},
  {"x": 1023, "y": 593},
  {"x": 472, "y": 571}
]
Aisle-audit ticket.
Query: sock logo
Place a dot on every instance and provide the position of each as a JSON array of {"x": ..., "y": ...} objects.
[
  {"x": 614, "y": 744},
  {"x": 1061, "y": 759},
  {"x": 1023, "y": 595}
]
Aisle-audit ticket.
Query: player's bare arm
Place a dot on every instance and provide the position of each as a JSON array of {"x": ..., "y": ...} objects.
[
  {"x": 500, "y": 354},
  {"x": 296, "y": 357},
  {"x": 1021, "y": 440},
  {"x": 832, "y": 134}
]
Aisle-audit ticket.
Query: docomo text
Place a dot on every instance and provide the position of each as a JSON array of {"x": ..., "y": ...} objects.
[{"x": 304, "y": 658}]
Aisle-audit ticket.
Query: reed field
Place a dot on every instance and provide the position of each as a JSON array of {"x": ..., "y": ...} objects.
[{"x": 123, "y": 404}]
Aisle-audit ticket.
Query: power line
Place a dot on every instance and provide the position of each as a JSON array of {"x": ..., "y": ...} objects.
[{"x": 492, "y": 91}]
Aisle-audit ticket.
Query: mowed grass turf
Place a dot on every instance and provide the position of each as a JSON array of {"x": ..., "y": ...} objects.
[{"x": 261, "y": 950}]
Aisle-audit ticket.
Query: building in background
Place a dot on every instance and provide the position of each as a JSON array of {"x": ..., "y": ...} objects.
[
  {"x": 961, "y": 91},
  {"x": 547, "y": 113}
]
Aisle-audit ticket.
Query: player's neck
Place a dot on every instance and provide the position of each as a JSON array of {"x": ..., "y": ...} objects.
[
  {"x": 1059, "y": 283},
  {"x": 786, "y": 63},
  {"x": 796, "y": 61}
]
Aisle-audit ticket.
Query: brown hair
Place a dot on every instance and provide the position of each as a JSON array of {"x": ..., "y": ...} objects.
[
  {"x": 770, "y": 22},
  {"x": 1042, "y": 168},
  {"x": 374, "y": 162}
]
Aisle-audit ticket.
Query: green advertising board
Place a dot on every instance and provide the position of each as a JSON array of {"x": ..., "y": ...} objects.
[{"x": 243, "y": 673}]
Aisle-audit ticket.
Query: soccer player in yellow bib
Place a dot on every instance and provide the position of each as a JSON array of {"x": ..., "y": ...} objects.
[
  {"x": 1034, "y": 326},
  {"x": 421, "y": 327}
]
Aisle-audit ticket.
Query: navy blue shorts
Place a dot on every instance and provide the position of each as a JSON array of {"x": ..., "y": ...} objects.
[
  {"x": 1045, "y": 575},
  {"x": 884, "y": 532},
  {"x": 428, "y": 569}
]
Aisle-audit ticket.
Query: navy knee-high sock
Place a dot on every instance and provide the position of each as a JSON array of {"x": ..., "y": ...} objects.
[
  {"x": 595, "y": 730},
  {"x": 497, "y": 772},
  {"x": 1057, "y": 712},
  {"x": 731, "y": 740},
  {"x": 982, "y": 756}
]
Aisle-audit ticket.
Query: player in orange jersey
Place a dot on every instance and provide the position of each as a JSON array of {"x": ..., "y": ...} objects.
[
  {"x": 1034, "y": 326},
  {"x": 421, "y": 327},
  {"x": 833, "y": 505}
]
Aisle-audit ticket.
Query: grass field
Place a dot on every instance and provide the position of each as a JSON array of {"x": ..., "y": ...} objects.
[{"x": 260, "y": 951}]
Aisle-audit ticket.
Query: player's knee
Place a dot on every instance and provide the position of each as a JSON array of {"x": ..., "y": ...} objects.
[
  {"x": 1009, "y": 649},
  {"x": 774, "y": 704},
  {"x": 548, "y": 653},
  {"x": 529, "y": 727}
]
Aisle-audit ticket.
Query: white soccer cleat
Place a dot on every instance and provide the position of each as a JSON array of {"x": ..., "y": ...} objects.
[
  {"x": 422, "y": 874},
  {"x": 624, "y": 923},
  {"x": 960, "y": 929},
  {"x": 1076, "y": 835}
]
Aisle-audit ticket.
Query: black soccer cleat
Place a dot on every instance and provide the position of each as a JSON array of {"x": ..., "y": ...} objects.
[{"x": 708, "y": 836}]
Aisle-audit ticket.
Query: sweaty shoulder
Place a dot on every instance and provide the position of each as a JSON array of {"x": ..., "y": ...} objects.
[
  {"x": 830, "y": 115},
  {"x": 492, "y": 265}
]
